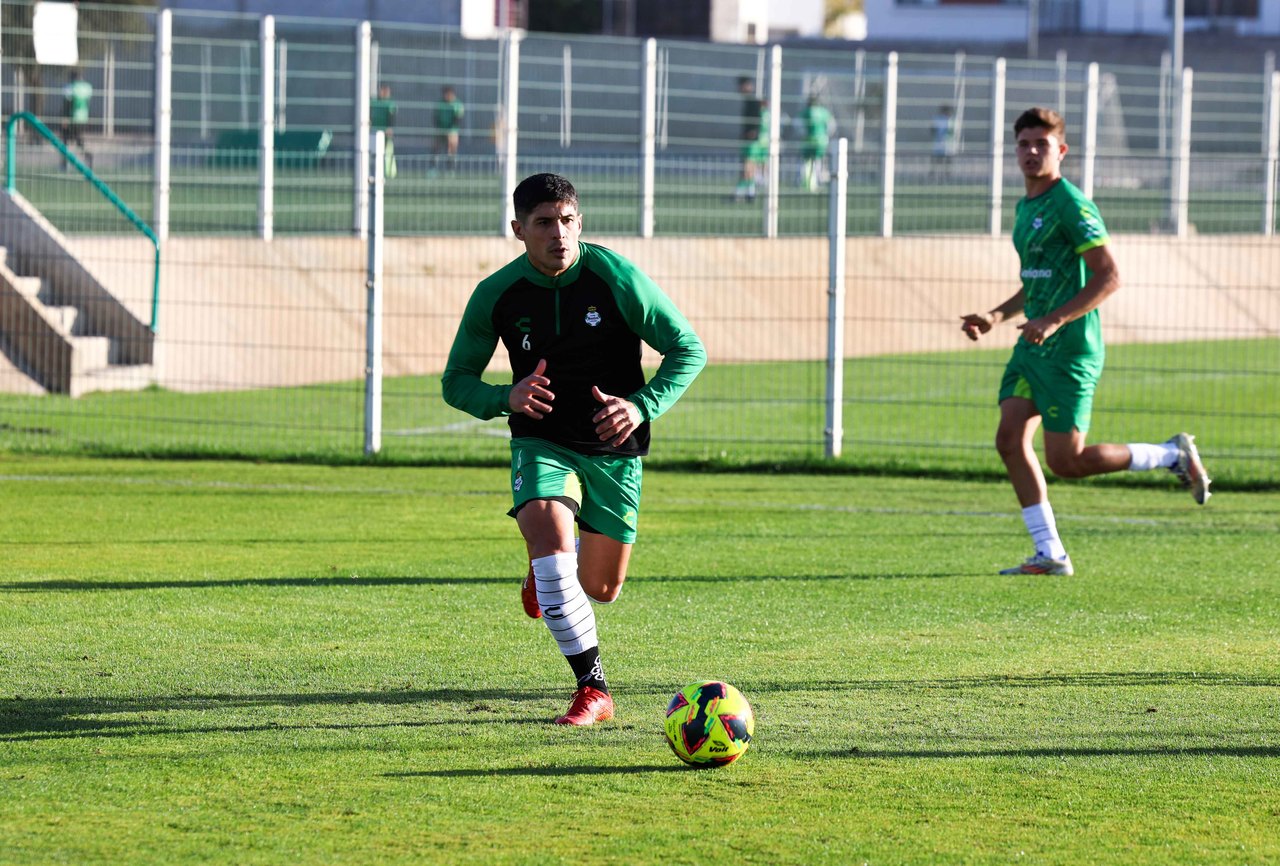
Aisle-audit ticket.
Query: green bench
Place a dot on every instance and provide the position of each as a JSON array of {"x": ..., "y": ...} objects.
[{"x": 295, "y": 148}]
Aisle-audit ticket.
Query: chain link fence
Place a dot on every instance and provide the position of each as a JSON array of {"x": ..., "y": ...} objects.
[{"x": 260, "y": 346}]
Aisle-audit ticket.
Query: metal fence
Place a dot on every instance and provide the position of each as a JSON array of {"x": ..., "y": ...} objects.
[{"x": 261, "y": 347}]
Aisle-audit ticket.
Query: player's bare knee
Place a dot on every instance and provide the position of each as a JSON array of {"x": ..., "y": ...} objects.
[
  {"x": 606, "y": 594},
  {"x": 1066, "y": 465}
]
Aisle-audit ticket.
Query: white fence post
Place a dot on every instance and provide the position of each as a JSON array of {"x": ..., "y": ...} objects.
[
  {"x": 1090, "y": 140},
  {"x": 996, "y": 203},
  {"x": 509, "y": 129},
  {"x": 1180, "y": 191},
  {"x": 837, "y": 241},
  {"x": 164, "y": 123},
  {"x": 772, "y": 171},
  {"x": 374, "y": 181},
  {"x": 267, "y": 128},
  {"x": 364, "y": 76},
  {"x": 1273, "y": 154},
  {"x": 648, "y": 135},
  {"x": 890, "y": 138}
]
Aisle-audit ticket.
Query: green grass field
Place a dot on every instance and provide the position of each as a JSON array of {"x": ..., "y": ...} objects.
[
  {"x": 692, "y": 197},
  {"x": 254, "y": 663},
  {"x": 927, "y": 413}
]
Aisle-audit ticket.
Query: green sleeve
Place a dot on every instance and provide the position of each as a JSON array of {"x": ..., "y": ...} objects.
[
  {"x": 652, "y": 315},
  {"x": 471, "y": 352}
]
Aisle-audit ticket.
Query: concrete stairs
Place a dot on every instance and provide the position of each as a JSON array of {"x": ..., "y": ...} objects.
[{"x": 51, "y": 344}]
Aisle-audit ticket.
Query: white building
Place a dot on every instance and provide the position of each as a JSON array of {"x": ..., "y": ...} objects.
[{"x": 1010, "y": 20}]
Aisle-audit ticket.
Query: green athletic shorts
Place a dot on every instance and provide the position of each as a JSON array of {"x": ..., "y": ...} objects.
[
  {"x": 1062, "y": 391},
  {"x": 603, "y": 489}
]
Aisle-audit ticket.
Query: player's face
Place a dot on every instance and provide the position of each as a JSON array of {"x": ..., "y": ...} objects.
[
  {"x": 1040, "y": 153},
  {"x": 550, "y": 234}
]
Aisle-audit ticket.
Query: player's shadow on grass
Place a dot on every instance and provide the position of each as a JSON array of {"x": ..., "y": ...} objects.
[
  {"x": 1055, "y": 752},
  {"x": 26, "y": 719},
  {"x": 66, "y": 585},
  {"x": 309, "y": 582},
  {"x": 629, "y": 770},
  {"x": 1093, "y": 679}
]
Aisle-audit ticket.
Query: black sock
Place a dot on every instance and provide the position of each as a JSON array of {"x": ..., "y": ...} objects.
[{"x": 587, "y": 668}]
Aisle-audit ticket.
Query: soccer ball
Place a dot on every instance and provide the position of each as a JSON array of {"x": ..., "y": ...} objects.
[{"x": 709, "y": 724}]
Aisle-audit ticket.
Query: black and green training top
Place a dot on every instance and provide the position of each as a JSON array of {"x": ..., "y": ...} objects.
[{"x": 587, "y": 323}]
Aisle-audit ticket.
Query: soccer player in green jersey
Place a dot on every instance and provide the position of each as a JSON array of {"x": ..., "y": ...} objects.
[
  {"x": 818, "y": 124},
  {"x": 1067, "y": 272},
  {"x": 76, "y": 97},
  {"x": 572, "y": 316},
  {"x": 449, "y": 113}
]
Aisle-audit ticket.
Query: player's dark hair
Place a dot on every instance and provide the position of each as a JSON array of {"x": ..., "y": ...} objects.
[
  {"x": 539, "y": 189},
  {"x": 1041, "y": 118}
]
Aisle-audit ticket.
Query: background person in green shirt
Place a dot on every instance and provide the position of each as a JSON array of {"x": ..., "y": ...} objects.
[
  {"x": 572, "y": 317},
  {"x": 76, "y": 97},
  {"x": 449, "y": 113},
  {"x": 817, "y": 124},
  {"x": 1067, "y": 272}
]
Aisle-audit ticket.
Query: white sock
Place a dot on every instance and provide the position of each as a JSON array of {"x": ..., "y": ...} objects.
[
  {"x": 1044, "y": 530},
  {"x": 566, "y": 609},
  {"x": 1146, "y": 456}
]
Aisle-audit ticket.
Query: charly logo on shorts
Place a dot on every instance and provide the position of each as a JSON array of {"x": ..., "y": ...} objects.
[
  {"x": 593, "y": 317},
  {"x": 518, "y": 482}
]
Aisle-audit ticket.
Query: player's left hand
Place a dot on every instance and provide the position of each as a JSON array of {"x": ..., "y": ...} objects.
[
  {"x": 617, "y": 420},
  {"x": 1036, "y": 331}
]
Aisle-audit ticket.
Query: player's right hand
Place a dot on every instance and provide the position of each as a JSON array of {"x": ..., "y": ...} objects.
[
  {"x": 975, "y": 325},
  {"x": 531, "y": 396}
]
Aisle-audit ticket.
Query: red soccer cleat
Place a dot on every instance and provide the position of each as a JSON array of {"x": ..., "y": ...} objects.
[
  {"x": 588, "y": 706},
  {"x": 529, "y": 596}
]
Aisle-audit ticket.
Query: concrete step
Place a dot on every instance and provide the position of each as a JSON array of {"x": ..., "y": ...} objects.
[
  {"x": 63, "y": 319},
  {"x": 89, "y": 354},
  {"x": 133, "y": 377}
]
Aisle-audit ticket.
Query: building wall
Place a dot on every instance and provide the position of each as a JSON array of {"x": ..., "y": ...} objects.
[{"x": 888, "y": 20}]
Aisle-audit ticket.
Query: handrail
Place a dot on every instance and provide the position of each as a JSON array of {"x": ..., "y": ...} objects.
[{"x": 10, "y": 185}]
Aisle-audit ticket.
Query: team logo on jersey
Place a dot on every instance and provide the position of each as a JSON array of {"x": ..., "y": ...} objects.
[
  {"x": 1037, "y": 223},
  {"x": 518, "y": 482},
  {"x": 593, "y": 317}
]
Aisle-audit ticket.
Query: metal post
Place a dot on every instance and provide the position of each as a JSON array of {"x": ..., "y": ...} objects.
[
  {"x": 1273, "y": 154},
  {"x": 1181, "y": 175},
  {"x": 859, "y": 97},
  {"x": 373, "y": 287},
  {"x": 890, "y": 140},
  {"x": 164, "y": 123},
  {"x": 648, "y": 133},
  {"x": 1090, "y": 130},
  {"x": 267, "y": 129},
  {"x": 109, "y": 90},
  {"x": 1166, "y": 78},
  {"x": 1268, "y": 87},
  {"x": 773, "y": 172},
  {"x": 566, "y": 97},
  {"x": 997, "y": 148},
  {"x": 837, "y": 241},
  {"x": 364, "y": 85},
  {"x": 282, "y": 83},
  {"x": 510, "y": 128},
  {"x": 206, "y": 75}
]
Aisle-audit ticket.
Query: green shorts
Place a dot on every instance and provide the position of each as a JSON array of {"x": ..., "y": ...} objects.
[
  {"x": 603, "y": 489},
  {"x": 1062, "y": 391}
]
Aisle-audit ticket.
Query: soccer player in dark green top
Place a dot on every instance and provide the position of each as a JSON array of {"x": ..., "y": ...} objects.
[
  {"x": 572, "y": 316},
  {"x": 1067, "y": 272}
]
